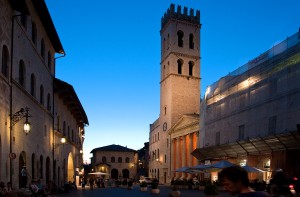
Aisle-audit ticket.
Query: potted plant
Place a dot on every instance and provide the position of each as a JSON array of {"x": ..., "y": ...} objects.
[
  {"x": 143, "y": 186},
  {"x": 211, "y": 190},
  {"x": 175, "y": 191},
  {"x": 154, "y": 187},
  {"x": 130, "y": 185}
]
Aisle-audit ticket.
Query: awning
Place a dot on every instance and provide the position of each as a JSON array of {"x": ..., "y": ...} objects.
[{"x": 253, "y": 146}]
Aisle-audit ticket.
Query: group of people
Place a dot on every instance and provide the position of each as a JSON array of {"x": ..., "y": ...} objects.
[
  {"x": 235, "y": 180},
  {"x": 6, "y": 190},
  {"x": 99, "y": 182}
]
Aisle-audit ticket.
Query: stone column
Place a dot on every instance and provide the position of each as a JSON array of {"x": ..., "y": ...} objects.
[
  {"x": 183, "y": 148},
  {"x": 174, "y": 148},
  {"x": 177, "y": 155}
]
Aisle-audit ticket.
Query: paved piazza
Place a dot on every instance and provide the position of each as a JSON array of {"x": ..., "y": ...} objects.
[{"x": 117, "y": 192}]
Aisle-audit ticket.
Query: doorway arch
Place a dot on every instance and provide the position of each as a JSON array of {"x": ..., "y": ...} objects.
[
  {"x": 114, "y": 174},
  {"x": 47, "y": 169},
  {"x": 125, "y": 173},
  {"x": 22, "y": 162},
  {"x": 70, "y": 168}
]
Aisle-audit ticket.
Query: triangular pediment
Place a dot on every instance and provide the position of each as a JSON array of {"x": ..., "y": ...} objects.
[{"x": 185, "y": 123}]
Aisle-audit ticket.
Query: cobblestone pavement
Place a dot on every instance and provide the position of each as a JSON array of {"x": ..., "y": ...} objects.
[{"x": 123, "y": 192}]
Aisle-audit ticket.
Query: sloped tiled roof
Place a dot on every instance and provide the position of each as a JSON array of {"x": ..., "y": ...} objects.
[{"x": 113, "y": 147}]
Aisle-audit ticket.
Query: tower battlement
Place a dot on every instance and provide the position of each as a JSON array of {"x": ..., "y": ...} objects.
[{"x": 180, "y": 14}]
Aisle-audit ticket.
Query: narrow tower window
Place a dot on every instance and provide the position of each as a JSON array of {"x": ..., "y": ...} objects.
[
  {"x": 42, "y": 94},
  {"x": 191, "y": 66},
  {"x": 49, "y": 60},
  {"x": 191, "y": 41},
  {"x": 180, "y": 63},
  {"x": 180, "y": 38}
]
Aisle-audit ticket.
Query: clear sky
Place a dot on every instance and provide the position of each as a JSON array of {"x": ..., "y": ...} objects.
[{"x": 113, "y": 54}]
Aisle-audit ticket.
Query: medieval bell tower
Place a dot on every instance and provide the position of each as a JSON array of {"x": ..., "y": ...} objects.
[
  {"x": 180, "y": 64},
  {"x": 179, "y": 83}
]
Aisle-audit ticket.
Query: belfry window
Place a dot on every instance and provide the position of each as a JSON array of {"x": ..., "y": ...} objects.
[
  {"x": 191, "y": 41},
  {"x": 191, "y": 66},
  {"x": 180, "y": 38},
  {"x": 180, "y": 63},
  {"x": 43, "y": 48}
]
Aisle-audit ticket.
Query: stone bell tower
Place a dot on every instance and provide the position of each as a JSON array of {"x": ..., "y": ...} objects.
[{"x": 179, "y": 84}]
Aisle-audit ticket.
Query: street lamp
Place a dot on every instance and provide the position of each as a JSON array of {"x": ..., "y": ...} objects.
[
  {"x": 63, "y": 140},
  {"x": 16, "y": 117}
]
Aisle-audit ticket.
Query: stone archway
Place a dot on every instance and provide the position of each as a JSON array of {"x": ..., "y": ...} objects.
[
  {"x": 71, "y": 169},
  {"x": 125, "y": 173},
  {"x": 114, "y": 174},
  {"x": 22, "y": 162}
]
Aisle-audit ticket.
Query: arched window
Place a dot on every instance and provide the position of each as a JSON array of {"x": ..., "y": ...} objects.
[
  {"x": 112, "y": 159},
  {"x": 104, "y": 159},
  {"x": 127, "y": 160},
  {"x": 48, "y": 102},
  {"x": 180, "y": 38},
  {"x": 42, "y": 94},
  {"x": 49, "y": 60},
  {"x": 22, "y": 73},
  {"x": 180, "y": 63},
  {"x": 168, "y": 41},
  {"x": 191, "y": 41},
  {"x": 5, "y": 61},
  {"x": 165, "y": 110},
  {"x": 64, "y": 128},
  {"x": 32, "y": 85},
  {"x": 33, "y": 33},
  {"x": 120, "y": 160},
  {"x": 43, "y": 48},
  {"x": 191, "y": 66}
]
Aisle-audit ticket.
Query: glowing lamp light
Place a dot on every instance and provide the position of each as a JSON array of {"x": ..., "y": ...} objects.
[
  {"x": 63, "y": 140},
  {"x": 26, "y": 127},
  {"x": 80, "y": 151}
]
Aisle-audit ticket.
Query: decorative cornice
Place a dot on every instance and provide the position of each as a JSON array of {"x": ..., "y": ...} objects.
[
  {"x": 179, "y": 75},
  {"x": 181, "y": 55}
]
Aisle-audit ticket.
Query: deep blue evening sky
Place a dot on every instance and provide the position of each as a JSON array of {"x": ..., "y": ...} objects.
[{"x": 113, "y": 54}]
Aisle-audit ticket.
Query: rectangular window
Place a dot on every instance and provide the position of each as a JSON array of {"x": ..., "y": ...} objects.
[
  {"x": 272, "y": 124},
  {"x": 241, "y": 132},
  {"x": 218, "y": 138}
]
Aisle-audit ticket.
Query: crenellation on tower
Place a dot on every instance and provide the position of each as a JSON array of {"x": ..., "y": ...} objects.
[{"x": 179, "y": 15}]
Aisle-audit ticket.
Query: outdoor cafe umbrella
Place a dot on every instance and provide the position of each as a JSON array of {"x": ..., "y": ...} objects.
[
  {"x": 222, "y": 164},
  {"x": 199, "y": 167},
  {"x": 252, "y": 169},
  {"x": 187, "y": 169},
  {"x": 183, "y": 169}
]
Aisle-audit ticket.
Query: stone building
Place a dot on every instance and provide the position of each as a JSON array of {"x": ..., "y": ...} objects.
[
  {"x": 115, "y": 160},
  {"x": 29, "y": 47},
  {"x": 179, "y": 84},
  {"x": 251, "y": 116}
]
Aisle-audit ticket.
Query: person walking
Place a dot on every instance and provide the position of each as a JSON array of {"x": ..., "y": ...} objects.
[
  {"x": 24, "y": 175},
  {"x": 235, "y": 180}
]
